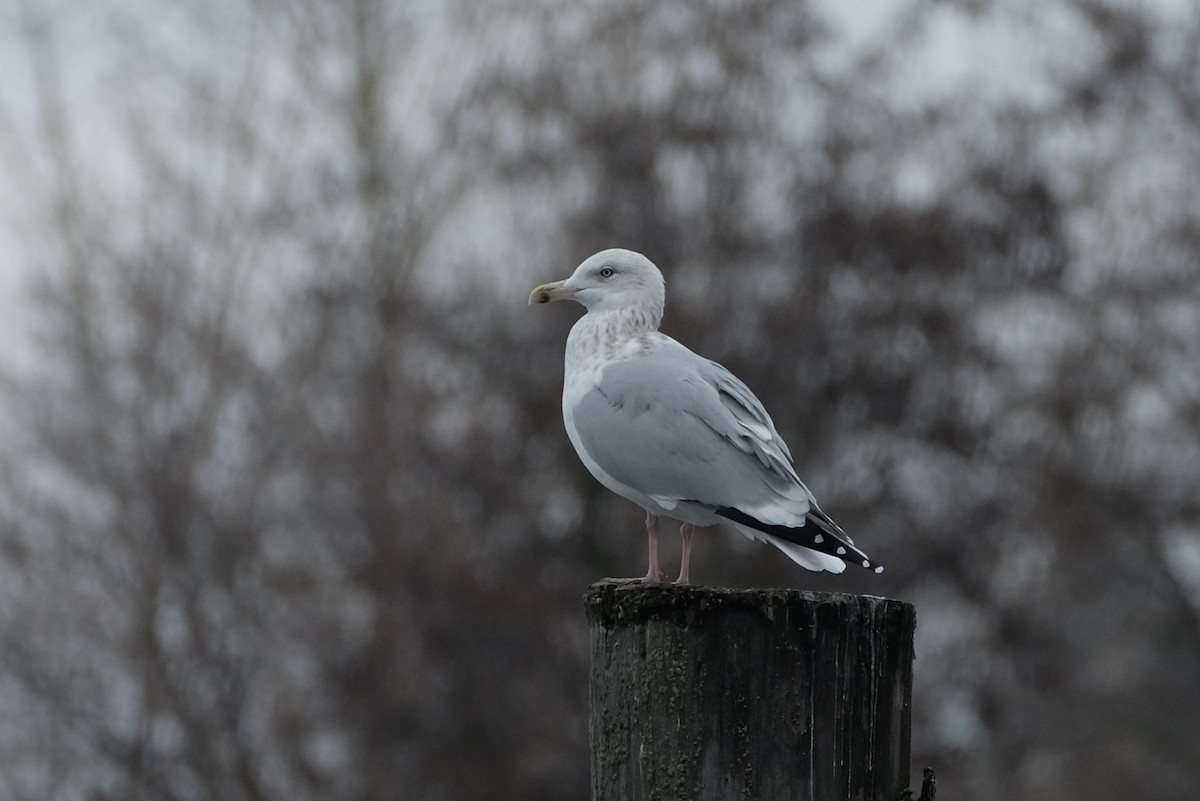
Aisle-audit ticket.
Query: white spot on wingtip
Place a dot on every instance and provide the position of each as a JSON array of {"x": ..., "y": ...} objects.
[
  {"x": 819, "y": 538},
  {"x": 841, "y": 551},
  {"x": 879, "y": 569},
  {"x": 866, "y": 563}
]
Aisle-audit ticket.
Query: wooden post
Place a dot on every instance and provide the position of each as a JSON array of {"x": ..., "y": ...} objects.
[{"x": 701, "y": 694}]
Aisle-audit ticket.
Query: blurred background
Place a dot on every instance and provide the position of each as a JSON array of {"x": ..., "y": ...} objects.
[{"x": 286, "y": 506}]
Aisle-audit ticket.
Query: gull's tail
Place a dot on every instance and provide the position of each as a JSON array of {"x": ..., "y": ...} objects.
[{"x": 821, "y": 546}]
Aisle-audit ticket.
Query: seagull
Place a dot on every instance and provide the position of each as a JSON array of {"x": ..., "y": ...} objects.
[{"x": 676, "y": 433}]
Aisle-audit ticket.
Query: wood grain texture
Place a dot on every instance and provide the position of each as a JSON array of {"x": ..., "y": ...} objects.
[{"x": 701, "y": 693}]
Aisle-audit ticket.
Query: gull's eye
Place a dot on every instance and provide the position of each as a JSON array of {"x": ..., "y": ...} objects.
[{"x": 607, "y": 272}]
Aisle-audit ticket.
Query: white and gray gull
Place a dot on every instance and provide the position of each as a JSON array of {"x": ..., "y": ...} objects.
[{"x": 676, "y": 433}]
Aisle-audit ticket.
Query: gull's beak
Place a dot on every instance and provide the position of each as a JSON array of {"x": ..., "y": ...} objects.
[{"x": 547, "y": 293}]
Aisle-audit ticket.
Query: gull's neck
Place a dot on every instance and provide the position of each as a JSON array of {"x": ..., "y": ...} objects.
[{"x": 601, "y": 336}]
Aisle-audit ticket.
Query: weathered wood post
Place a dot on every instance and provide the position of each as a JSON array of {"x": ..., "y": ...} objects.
[{"x": 779, "y": 695}]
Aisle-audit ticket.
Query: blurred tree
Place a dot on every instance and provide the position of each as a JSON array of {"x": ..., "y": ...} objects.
[
  {"x": 287, "y": 507},
  {"x": 250, "y": 438}
]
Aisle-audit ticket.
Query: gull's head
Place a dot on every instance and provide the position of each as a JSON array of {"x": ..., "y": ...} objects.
[{"x": 611, "y": 280}]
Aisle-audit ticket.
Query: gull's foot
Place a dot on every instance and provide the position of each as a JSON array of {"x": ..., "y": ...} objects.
[
  {"x": 657, "y": 577},
  {"x": 686, "y": 531}
]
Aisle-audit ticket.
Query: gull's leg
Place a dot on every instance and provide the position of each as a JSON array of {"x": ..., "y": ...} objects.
[
  {"x": 653, "y": 573},
  {"x": 686, "y": 531}
]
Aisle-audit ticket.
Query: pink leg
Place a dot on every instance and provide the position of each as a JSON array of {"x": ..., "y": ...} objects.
[
  {"x": 653, "y": 573},
  {"x": 686, "y": 531}
]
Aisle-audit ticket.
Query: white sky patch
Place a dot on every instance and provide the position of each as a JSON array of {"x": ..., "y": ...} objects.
[
  {"x": 916, "y": 183},
  {"x": 957, "y": 720},
  {"x": 1147, "y": 406},
  {"x": 83, "y": 45},
  {"x": 501, "y": 239},
  {"x": 952, "y": 633},
  {"x": 18, "y": 112},
  {"x": 992, "y": 56},
  {"x": 802, "y": 110},
  {"x": 857, "y": 28},
  {"x": 1181, "y": 544},
  {"x": 1023, "y": 565},
  {"x": 1031, "y": 331}
]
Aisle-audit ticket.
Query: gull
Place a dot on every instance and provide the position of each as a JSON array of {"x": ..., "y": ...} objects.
[{"x": 676, "y": 433}]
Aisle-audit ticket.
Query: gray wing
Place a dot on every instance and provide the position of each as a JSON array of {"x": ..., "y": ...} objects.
[{"x": 678, "y": 427}]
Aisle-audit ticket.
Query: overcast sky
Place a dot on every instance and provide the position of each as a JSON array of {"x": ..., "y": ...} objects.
[{"x": 1017, "y": 55}]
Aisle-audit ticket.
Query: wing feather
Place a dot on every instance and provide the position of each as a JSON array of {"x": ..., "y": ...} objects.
[{"x": 678, "y": 427}]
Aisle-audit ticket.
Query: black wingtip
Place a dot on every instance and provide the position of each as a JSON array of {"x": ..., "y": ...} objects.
[{"x": 821, "y": 538}]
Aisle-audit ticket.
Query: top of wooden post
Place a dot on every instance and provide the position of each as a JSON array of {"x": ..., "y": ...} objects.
[
  {"x": 700, "y": 693},
  {"x": 611, "y": 604}
]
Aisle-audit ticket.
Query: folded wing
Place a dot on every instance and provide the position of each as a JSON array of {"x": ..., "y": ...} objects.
[{"x": 680, "y": 428}]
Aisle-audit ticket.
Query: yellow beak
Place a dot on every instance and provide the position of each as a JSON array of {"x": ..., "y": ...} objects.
[{"x": 548, "y": 293}]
